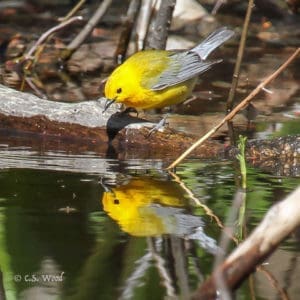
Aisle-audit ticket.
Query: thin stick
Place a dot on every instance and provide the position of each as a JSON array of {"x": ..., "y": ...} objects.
[
  {"x": 49, "y": 32},
  {"x": 224, "y": 244},
  {"x": 191, "y": 195},
  {"x": 34, "y": 87},
  {"x": 274, "y": 282},
  {"x": 167, "y": 280},
  {"x": 135, "y": 279},
  {"x": 237, "y": 67},
  {"x": 73, "y": 11},
  {"x": 89, "y": 26},
  {"x": 236, "y": 109}
]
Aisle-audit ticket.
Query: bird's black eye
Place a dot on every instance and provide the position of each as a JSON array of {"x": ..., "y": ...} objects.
[
  {"x": 119, "y": 91},
  {"x": 116, "y": 201}
]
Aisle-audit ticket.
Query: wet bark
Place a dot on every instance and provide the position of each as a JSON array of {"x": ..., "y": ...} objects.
[
  {"x": 282, "y": 219},
  {"x": 85, "y": 122},
  {"x": 82, "y": 126}
]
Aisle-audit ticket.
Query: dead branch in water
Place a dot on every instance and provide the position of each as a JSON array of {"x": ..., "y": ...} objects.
[{"x": 279, "y": 222}]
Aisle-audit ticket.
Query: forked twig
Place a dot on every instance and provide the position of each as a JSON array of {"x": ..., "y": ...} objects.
[
  {"x": 44, "y": 36},
  {"x": 239, "y": 107}
]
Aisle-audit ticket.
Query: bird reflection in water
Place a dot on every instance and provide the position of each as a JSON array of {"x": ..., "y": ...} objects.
[{"x": 146, "y": 206}]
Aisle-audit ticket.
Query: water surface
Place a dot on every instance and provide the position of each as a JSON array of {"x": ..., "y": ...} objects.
[{"x": 83, "y": 227}]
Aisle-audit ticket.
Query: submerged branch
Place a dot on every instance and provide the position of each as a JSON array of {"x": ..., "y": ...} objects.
[{"x": 279, "y": 222}]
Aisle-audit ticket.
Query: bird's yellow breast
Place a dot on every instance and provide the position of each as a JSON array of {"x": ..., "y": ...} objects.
[{"x": 134, "y": 78}]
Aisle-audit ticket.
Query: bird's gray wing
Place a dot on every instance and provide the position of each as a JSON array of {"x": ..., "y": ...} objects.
[
  {"x": 213, "y": 41},
  {"x": 182, "y": 67}
]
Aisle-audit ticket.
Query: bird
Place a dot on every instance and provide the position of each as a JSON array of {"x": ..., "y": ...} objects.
[{"x": 151, "y": 79}]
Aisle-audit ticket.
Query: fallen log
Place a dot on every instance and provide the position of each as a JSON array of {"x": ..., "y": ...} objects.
[
  {"x": 86, "y": 123},
  {"x": 25, "y": 120}
]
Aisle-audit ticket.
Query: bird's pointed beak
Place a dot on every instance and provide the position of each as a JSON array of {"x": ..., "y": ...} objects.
[{"x": 108, "y": 103}]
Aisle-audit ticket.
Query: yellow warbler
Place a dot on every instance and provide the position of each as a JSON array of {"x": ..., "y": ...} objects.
[{"x": 159, "y": 78}]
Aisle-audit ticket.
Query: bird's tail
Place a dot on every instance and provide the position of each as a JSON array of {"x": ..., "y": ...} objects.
[{"x": 213, "y": 41}]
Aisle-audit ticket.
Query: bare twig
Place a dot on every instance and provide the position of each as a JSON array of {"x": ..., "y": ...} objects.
[
  {"x": 217, "y": 6},
  {"x": 34, "y": 88},
  {"x": 141, "y": 266},
  {"x": 274, "y": 282},
  {"x": 251, "y": 287},
  {"x": 89, "y": 26},
  {"x": 180, "y": 266},
  {"x": 73, "y": 11},
  {"x": 191, "y": 195},
  {"x": 44, "y": 36},
  {"x": 236, "y": 73},
  {"x": 236, "y": 109}
]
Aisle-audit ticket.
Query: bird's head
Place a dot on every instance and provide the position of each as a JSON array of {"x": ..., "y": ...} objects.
[{"x": 119, "y": 87}]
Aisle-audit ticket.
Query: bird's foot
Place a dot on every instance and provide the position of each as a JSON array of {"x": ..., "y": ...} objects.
[{"x": 159, "y": 125}]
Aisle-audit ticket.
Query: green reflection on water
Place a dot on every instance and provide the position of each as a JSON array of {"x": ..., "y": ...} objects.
[{"x": 54, "y": 222}]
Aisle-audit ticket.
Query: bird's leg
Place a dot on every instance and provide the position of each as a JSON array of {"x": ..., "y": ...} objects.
[{"x": 159, "y": 125}]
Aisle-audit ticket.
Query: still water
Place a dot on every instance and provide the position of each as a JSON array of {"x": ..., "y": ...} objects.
[
  {"x": 79, "y": 226},
  {"x": 83, "y": 227}
]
